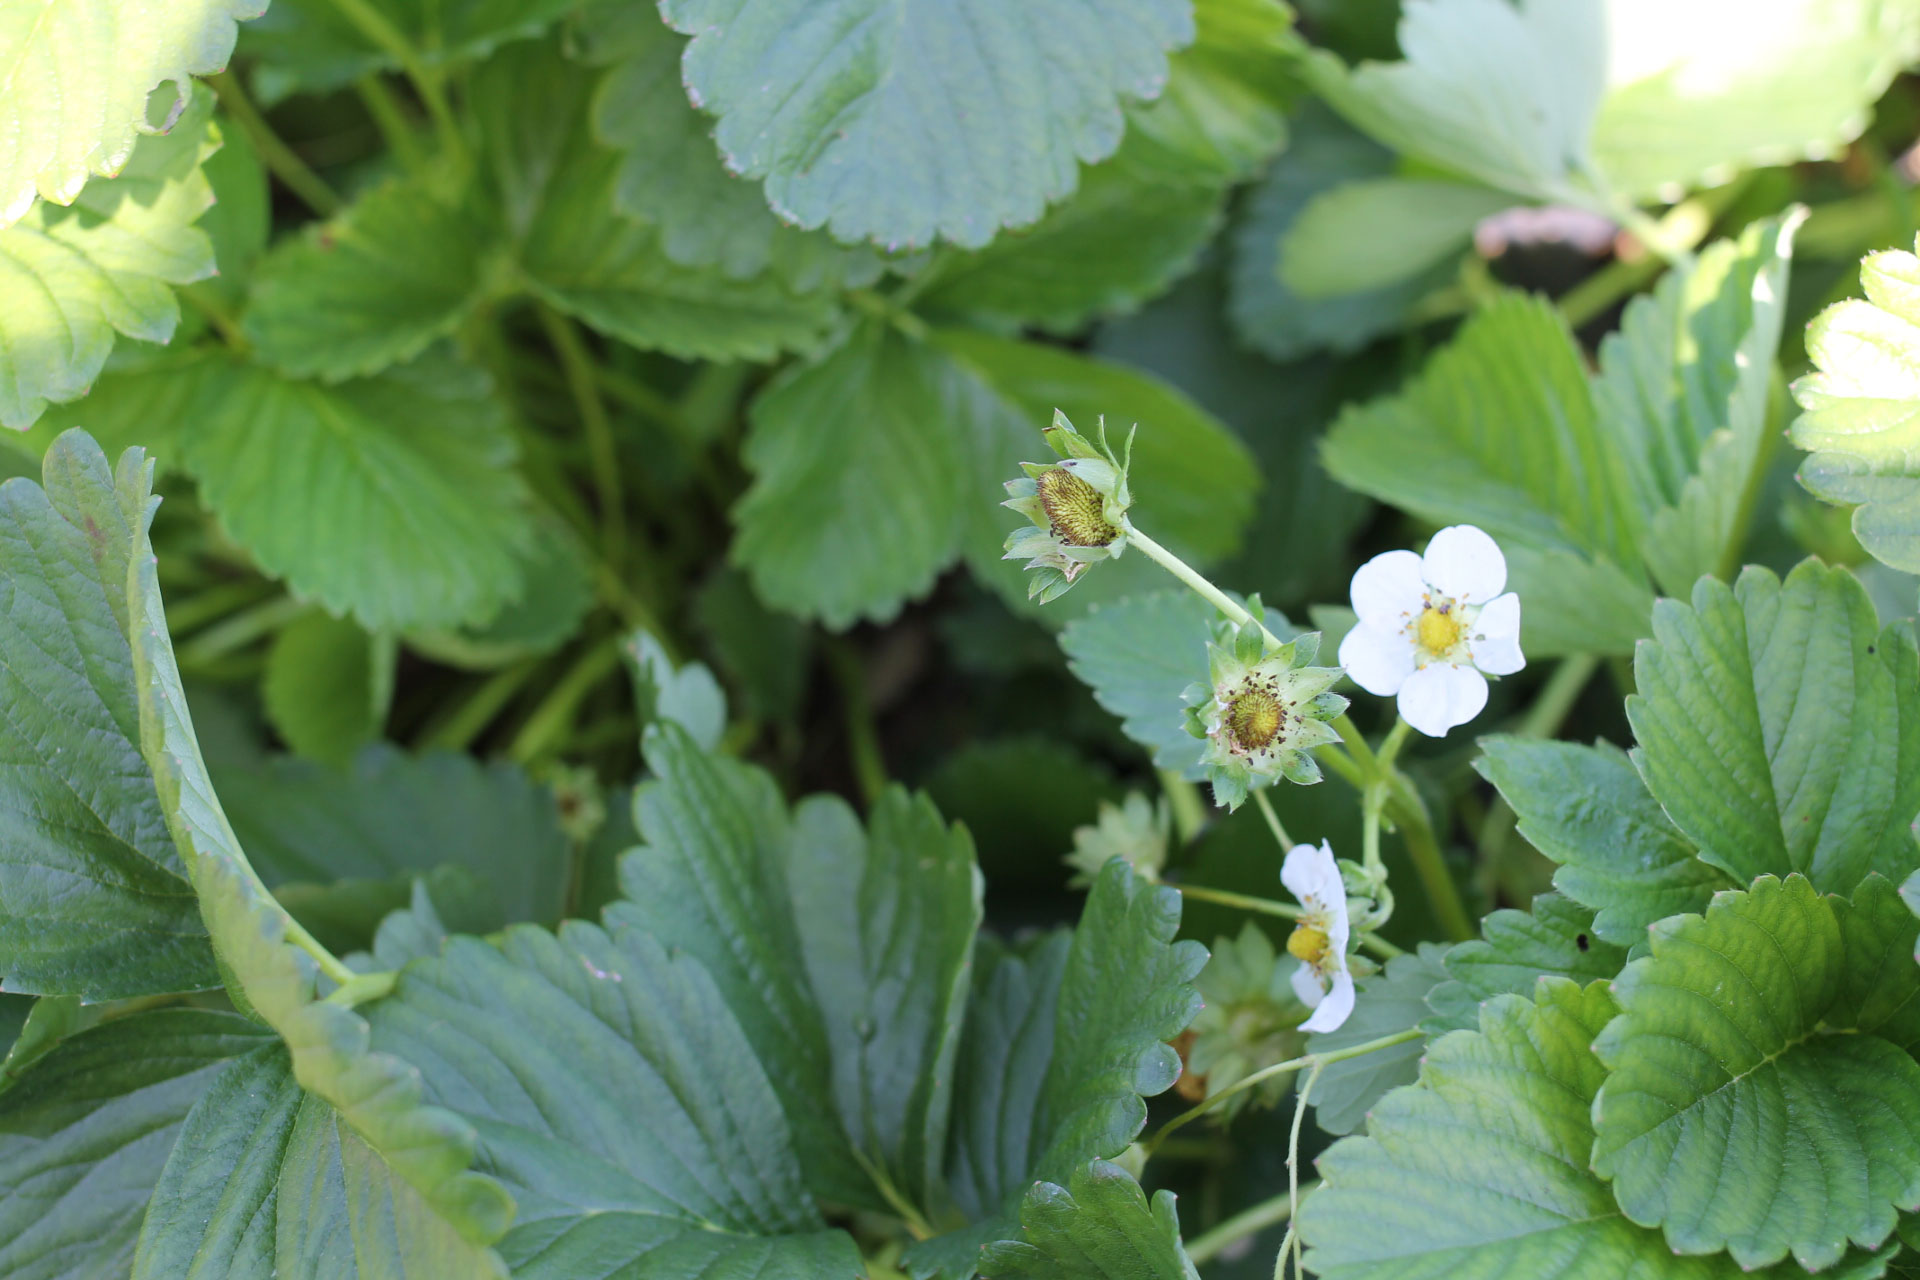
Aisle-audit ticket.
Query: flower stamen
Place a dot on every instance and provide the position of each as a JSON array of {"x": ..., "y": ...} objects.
[
  {"x": 1076, "y": 511},
  {"x": 1439, "y": 628},
  {"x": 1254, "y": 716}
]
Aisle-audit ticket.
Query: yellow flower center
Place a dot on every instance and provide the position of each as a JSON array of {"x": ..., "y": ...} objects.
[
  {"x": 1308, "y": 945},
  {"x": 1438, "y": 630},
  {"x": 1254, "y": 717},
  {"x": 1075, "y": 509}
]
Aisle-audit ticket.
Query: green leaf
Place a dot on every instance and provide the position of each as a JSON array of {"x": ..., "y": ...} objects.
[
  {"x": 1103, "y": 1229},
  {"x": 764, "y": 655},
  {"x": 1324, "y": 155},
  {"x": 238, "y": 222},
  {"x": 75, "y": 97},
  {"x": 85, "y": 1134},
  {"x": 313, "y": 46},
  {"x": 1860, "y": 408},
  {"x": 369, "y": 288},
  {"x": 1389, "y": 1002},
  {"x": 267, "y": 1180},
  {"x": 671, "y": 175},
  {"x": 869, "y": 119},
  {"x": 1687, "y": 105},
  {"x": 1780, "y": 728},
  {"x": 1376, "y": 233},
  {"x": 1586, "y": 808},
  {"x": 577, "y": 253},
  {"x": 1499, "y": 430},
  {"x": 858, "y": 463},
  {"x": 1479, "y": 1172},
  {"x": 571, "y": 1053},
  {"x": 901, "y": 901},
  {"x": 94, "y": 899},
  {"x": 1502, "y": 93},
  {"x": 1224, "y": 111},
  {"x": 266, "y": 969},
  {"x": 74, "y": 277},
  {"x": 687, "y": 695},
  {"x": 554, "y": 598},
  {"x": 1736, "y": 1036},
  {"x": 1139, "y": 656},
  {"x": 1684, "y": 383},
  {"x": 391, "y": 499},
  {"x": 391, "y": 817},
  {"x": 327, "y": 687},
  {"x": 1517, "y": 948}
]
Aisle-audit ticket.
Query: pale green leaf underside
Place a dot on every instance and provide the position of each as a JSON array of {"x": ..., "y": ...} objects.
[
  {"x": 1862, "y": 408},
  {"x": 1734, "y": 1117},
  {"x": 1377, "y": 233},
  {"x": 899, "y": 122},
  {"x": 73, "y": 97},
  {"x": 73, "y": 278},
  {"x": 1101, "y": 1229},
  {"x": 84, "y": 1136},
  {"x": 1587, "y": 809},
  {"x": 1780, "y": 728},
  {"x": 373, "y": 287}
]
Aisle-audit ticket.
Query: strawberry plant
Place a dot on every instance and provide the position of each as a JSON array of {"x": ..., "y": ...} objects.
[{"x": 1138, "y": 639}]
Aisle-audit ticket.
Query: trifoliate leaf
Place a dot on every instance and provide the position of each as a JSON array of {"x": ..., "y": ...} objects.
[
  {"x": 1777, "y": 727},
  {"x": 74, "y": 277},
  {"x": 391, "y": 817},
  {"x": 267, "y": 972},
  {"x": 1688, "y": 102},
  {"x": 687, "y": 695},
  {"x": 1860, "y": 404},
  {"x": 1139, "y": 656},
  {"x": 327, "y": 687},
  {"x": 577, "y": 253},
  {"x": 1103, "y": 1229},
  {"x": 75, "y": 96},
  {"x": 870, "y": 119},
  {"x": 1684, "y": 384},
  {"x": 1517, "y": 948},
  {"x": 1324, "y": 155},
  {"x": 1378, "y": 233},
  {"x": 1587, "y": 809},
  {"x": 1479, "y": 1172},
  {"x": 86, "y": 1132},
  {"x": 313, "y": 46},
  {"x": 1502, "y": 93},
  {"x": 94, "y": 898},
  {"x": 573, "y": 1053},
  {"x": 391, "y": 498},
  {"x": 1224, "y": 110},
  {"x": 1736, "y": 1036},
  {"x": 671, "y": 175},
  {"x": 1391, "y": 1001},
  {"x": 373, "y": 287},
  {"x": 860, "y": 472},
  {"x": 1460, "y": 444}
]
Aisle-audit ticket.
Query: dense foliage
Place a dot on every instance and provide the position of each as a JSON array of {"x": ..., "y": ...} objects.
[{"x": 585, "y": 776}]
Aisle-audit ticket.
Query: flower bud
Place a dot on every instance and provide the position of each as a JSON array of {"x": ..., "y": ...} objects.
[{"x": 1078, "y": 507}]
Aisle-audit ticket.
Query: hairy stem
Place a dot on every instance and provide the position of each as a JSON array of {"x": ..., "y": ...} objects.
[
  {"x": 1273, "y": 820},
  {"x": 293, "y": 172},
  {"x": 1251, "y": 1221}
]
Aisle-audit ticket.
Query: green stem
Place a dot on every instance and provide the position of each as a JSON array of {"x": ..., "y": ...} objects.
[
  {"x": 427, "y": 81},
  {"x": 203, "y": 300},
  {"x": 1431, "y": 866},
  {"x": 863, "y": 737},
  {"x": 549, "y": 722},
  {"x": 1189, "y": 810},
  {"x": 1187, "y": 574},
  {"x": 241, "y": 630},
  {"x": 578, "y": 366},
  {"x": 275, "y": 154},
  {"x": 457, "y": 731},
  {"x": 1292, "y": 1238},
  {"x": 1302, "y": 1063},
  {"x": 1769, "y": 444},
  {"x": 392, "y": 122},
  {"x": 1273, "y": 820},
  {"x": 1210, "y": 1244},
  {"x": 215, "y": 602}
]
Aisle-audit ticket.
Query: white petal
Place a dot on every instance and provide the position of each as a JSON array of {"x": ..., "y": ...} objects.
[
  {"x": 1463, "y": 562},
  {"x": 1312, "y": 876},
  {"x": 1436, "y": 698},
  {"x": 1332, "y": 1011},
  {"x": 1495, "y": 643},
  {"x": 1307, "y": 987},
  {"x": 1379, "y": 662},
  {"x": 1388, "y": 589}
]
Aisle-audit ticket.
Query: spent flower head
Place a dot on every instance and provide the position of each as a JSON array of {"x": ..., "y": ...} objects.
[
  {"x": 1078, "y": 507},
  {"x": 1249, "y": 1020},
  {"x": 1323, "y": 981},
  {"x": 1432, "y": 628},
  {"x": 1262, "y": 710},
  {"x": 1137, "y": 831}
]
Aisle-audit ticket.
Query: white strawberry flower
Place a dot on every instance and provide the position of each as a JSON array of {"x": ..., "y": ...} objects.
[
  {"x": 1319, "y": 940},
  {"x": 1433, "y": 627}
]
